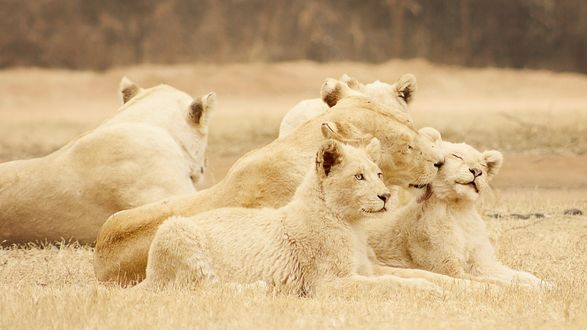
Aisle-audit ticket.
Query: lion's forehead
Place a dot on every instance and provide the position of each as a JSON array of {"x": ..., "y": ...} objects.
[
  {"x": 358, "y": 160},
  {"x": 463, "y": 150},
  {"x": 165, "y": 92},
  {"x": 378, "y": 87}
]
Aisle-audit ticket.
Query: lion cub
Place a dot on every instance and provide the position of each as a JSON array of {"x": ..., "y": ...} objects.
[
  {"x": 291, "y": 249},
  {"x": 441, "y": 231}
]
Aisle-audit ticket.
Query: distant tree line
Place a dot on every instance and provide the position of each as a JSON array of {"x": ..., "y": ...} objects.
[{"x": 94, "y": 34}]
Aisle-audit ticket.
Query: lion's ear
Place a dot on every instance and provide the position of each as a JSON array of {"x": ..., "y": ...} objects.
[
  {"x": 329, "y": 130},
  {"x": 128, "y": 89},
  {"x": 373, "y": 150},
  {"x": 334, "y": 90},
  {"x": 201, "y": 107},
  {"x": 329, "y": 155},
  {"x": 343, "y": 131},
  {"x": 405, "y": 87},
  {"x": 431, "y": 134},
  {"x": 494, "y": 160},
  {"x": 351, "y": 82}
]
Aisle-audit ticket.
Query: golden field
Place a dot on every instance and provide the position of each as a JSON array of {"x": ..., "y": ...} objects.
[{"x": 537, "y": 118}]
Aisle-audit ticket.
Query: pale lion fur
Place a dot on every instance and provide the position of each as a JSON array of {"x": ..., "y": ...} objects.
[
  {"x": 293, "y": 249},
  {"x": 445, "y": 234},
  {"x": 268, "y": 176},
  {"x": 398, "y": 95},
  {"x": 152, "y": 148}
]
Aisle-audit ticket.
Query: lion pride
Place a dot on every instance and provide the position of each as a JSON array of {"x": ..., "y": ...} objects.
[{"x": 268, "y": 176}]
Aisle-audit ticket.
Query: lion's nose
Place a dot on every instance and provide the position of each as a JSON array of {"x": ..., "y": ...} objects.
[
  {"x": 384, "y": 197},
  {"x": 476, "y": 172}
]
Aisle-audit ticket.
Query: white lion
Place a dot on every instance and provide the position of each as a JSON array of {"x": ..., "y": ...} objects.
[
  {"x": 441, "y": 231},
  {"x": 293, "y": 249},
  {"x": 397, "y": 95},
  {"x": 153, "y": 148},
  {"x": 269, "y": 176}
]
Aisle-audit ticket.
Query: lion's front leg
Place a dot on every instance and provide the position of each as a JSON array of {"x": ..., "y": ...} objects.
[
  {"x": 378, "y": 283},
  {"x": 414, "y": 273},
  {"x": 506, "y": 276}
]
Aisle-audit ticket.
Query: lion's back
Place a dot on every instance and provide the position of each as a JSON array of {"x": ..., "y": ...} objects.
[{"x": 300, "y": 114}]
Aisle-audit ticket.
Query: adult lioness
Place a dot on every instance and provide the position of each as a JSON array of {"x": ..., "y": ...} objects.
[
  {"x": 397, "y": 95},
  {"x": 269, "y": 176},
  {"x": 151, "y": 149}
]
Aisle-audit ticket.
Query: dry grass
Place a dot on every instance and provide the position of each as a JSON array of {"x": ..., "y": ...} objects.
[
  {"x": 54, "y": 287},
  {"x": 537, "y": 118}
]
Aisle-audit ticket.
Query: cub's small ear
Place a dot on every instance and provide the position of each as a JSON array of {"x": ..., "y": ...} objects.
[
  {"x": 201, "y": 107},
  {"x": 430, "y": 133},
  {"x": 334, "y": 90},
  {"x": 351, "y": 82},
  {"x": 494, "y": 160},
  {"x": 343, "y": 132},
  {"x": 128, "y": 89},
  {"x": 329, "y": 155},
  {"x": 329, "y": 130},
  {"x": 373, "y": 150},
  {"x": 405, "y": 87}
]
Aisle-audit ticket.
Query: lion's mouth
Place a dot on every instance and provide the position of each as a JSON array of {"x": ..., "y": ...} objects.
[
  {"x": 426, "y": 195},
  {"x": 472, "y": 184},
  {"x": 418, "y": 186},
  {"x": 381, "y": 210}
]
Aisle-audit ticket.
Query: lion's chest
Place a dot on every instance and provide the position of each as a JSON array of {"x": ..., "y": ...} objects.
[
  {"x": 337, "y": 256},
  {"x": 467, "y": 234}
]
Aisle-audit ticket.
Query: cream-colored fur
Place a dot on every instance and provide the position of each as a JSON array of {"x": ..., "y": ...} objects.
[
  {"x": 151, "y": 149},
  {"x": 441, "y": 230},
  {"x": 268, "y": 176},
  {"x": 397, "y": 95},
  {"x": 292, "y": 249}
]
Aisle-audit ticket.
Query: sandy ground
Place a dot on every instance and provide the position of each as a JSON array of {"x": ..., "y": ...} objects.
[{"x": 537, "y": 118}]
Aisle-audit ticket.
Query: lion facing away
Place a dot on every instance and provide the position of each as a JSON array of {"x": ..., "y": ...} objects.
[
  {"x": 398, "y": 95},
  {"x": 154, "y": 147},
  {"x": 292, "y": 249},
  {"x": 269, "y": 176},
  {"x": 441, "y": 231}
]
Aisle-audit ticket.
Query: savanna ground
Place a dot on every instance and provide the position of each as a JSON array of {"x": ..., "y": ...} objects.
[{"x": 537, "y": 118}]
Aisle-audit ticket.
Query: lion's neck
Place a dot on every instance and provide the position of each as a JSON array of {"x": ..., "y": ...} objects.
[
  {"x": 320, "y": 234},
  {"x": 309, "y": 207},
  {"x": 458, "y": 212}
]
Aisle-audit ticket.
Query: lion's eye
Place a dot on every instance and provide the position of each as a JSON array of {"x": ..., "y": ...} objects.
[
  {"x": 359, "y": 176},
  {"x": 380, "y": 175},
  {"x": 457, "y": 156},
  {"x": 410, "y": 147}
]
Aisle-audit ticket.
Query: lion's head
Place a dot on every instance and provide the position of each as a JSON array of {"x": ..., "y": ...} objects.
[
  {"x": 409, "y": 156},
  {"x": 185, "y": 118},
  {"x": 351, "y": 181},
  {"x": 397, "y": 95},
  {"x": 465, "y": 174}
]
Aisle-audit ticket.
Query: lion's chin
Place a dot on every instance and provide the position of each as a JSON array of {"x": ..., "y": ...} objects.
[
  {"x": 381, "y": 210},
  {"x": 471, "y": 184},
  {"x": 426, "y": 195}
]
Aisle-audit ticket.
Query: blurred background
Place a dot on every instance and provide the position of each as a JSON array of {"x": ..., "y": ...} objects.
[
  {"x": 497, "y": 74},
  {"x": 90, "y": 34},
  {"x": 509, "y": 75}
]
